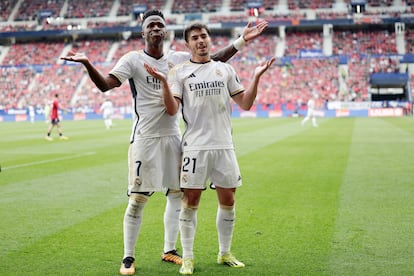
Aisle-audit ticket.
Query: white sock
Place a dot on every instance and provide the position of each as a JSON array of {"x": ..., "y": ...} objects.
[
  {"x": 132, "y": 224},
  {"x": 171, "y": 220},
  {"x": 225, "y": 224},
  {"x": 188, "y": 225}
]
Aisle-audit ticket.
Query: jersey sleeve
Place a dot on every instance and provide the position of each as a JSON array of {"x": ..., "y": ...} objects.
[
  {"x": 174, "y": 83},
  {"x": 177, "y": 57},
  {"x": 234, "y": 84},
  {"x": 123, "y": 69}
]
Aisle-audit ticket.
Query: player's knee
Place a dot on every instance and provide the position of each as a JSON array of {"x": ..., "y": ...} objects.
[
  {"x": 226, "y": 197},
  {"x": 187, "y": 206},
  {"x": 174, "y": 194},
  {"x": 136, "y": 205},
  {"x": 191, "y": 200},
  {"x": 227, "y": 202},
  {"x": 138, "y": 198}
]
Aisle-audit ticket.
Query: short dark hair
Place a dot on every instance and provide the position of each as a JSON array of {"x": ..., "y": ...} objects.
[
  {"x": 195, "y": 26},
  {"x": 149, "y": 13}
]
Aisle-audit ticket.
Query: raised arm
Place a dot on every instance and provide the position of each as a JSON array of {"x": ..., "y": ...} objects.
[
  {"x": 171, "y": 103},
  {"x": 249, "y": 33},
  {"x": 103, "y": 83},
  {"x": 246, "y": 99}
]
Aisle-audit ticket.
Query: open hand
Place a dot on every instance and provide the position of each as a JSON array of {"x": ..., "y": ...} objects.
[
  {"x": 250, "y": 32},
  {"x": 264, "y": 66},
  {"x": 155, "y": 73},
  {"x": 74, "y": 56}
]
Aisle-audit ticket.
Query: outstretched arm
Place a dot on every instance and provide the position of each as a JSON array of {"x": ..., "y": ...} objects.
[
  {"x": 171, "y": 103},
  {"x": 249, "y": 33},
  {"x": 246, "y": 99},
  {"x": 104, "y": 83}
]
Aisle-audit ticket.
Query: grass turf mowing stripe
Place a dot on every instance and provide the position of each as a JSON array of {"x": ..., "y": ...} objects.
[
  {"x": 374, "y": 231},
  {"x": 35, "y": 208},
  {"x": 254, "y": 134},
  {"x": 288, "y": 200},
  {"x": 48, "y": 161}
]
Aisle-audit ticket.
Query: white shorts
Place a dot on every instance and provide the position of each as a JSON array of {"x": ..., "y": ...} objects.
[
  {"x": 219, "y": 166},
  {"x": 154, "y": 164},
  {"x": 107, "y": 116},
  {"x": 311, "y": 113}
]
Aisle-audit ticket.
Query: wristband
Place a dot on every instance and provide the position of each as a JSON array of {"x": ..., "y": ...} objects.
[{"x": 239, "y": 43}]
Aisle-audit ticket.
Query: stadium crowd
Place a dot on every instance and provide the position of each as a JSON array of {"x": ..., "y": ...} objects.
[{"x": 31, "y": 71}]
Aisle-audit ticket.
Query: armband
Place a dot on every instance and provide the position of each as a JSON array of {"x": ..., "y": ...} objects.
[{"x": 239, "y": 43}]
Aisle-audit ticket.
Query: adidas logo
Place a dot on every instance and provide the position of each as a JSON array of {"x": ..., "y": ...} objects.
[{"x": 192, "y": 75}]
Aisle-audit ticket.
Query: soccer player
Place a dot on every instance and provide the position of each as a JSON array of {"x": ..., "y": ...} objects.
[
  {"x": 154, "y": 154},
  {"x": 55, "y": 121},
  {"x": 108, "y": 110},
  {"x": 310, "y": 113},
  {"x": 204, "y": 88}
]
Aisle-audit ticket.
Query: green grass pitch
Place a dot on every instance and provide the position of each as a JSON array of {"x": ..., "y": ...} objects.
[{"x": 332, "y": 200}]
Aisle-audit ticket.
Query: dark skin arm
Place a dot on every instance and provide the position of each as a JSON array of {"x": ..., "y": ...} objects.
[
  {"x": 224, "y": 54},
  {"x": 104, "y": 83},
  {"x": 249, "y": 33}
]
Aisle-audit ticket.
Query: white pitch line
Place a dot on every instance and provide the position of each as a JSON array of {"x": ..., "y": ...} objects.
[{"x": 48, "y": 161}]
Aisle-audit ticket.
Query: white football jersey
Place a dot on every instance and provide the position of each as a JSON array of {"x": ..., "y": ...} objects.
[
  {"x": 205, "y": 91},
  {"x": 311, "y": 104},
  {"x": 107, "y": 107},
  {"x": 150, "y": 118}
]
